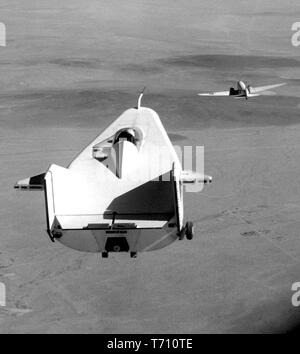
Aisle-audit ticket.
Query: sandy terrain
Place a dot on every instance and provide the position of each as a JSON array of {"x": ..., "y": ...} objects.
[{"x": 68, "y": 71}]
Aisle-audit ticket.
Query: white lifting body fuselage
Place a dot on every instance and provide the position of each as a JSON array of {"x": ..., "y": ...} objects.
[{"x": 122, "y": 193}]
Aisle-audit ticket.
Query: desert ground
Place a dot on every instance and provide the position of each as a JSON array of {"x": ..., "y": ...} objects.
[{"x": 69, "y": 69}]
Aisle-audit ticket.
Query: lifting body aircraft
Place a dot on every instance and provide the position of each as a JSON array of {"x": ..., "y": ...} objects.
[
  {"x": 122, "y": 193},
  {"x": 244, "y": 91}
]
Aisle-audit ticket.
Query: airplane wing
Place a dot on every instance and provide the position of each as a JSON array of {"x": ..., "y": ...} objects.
[
  {"x": 211, "y": 94},
  {"x": 249, "y": 96},
  {"x": 260, "y": 89}
]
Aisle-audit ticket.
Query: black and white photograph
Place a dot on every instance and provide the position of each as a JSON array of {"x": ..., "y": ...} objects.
[{"x": 149, "y": 169}]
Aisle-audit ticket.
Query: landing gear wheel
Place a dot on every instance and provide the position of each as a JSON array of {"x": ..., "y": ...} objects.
[{"x": 189, "y": 230}]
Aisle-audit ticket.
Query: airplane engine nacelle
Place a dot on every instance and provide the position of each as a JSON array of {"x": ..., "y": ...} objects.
[{"x": 232, "y": 91}]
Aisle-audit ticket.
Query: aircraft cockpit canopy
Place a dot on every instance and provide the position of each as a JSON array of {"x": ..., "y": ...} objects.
[{"x": 132, "y": 135}]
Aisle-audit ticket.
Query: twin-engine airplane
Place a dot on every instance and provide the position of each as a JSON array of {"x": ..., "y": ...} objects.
[
  {"x": 244, "y": 91},
  {"x": 122, "y": 193}
]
